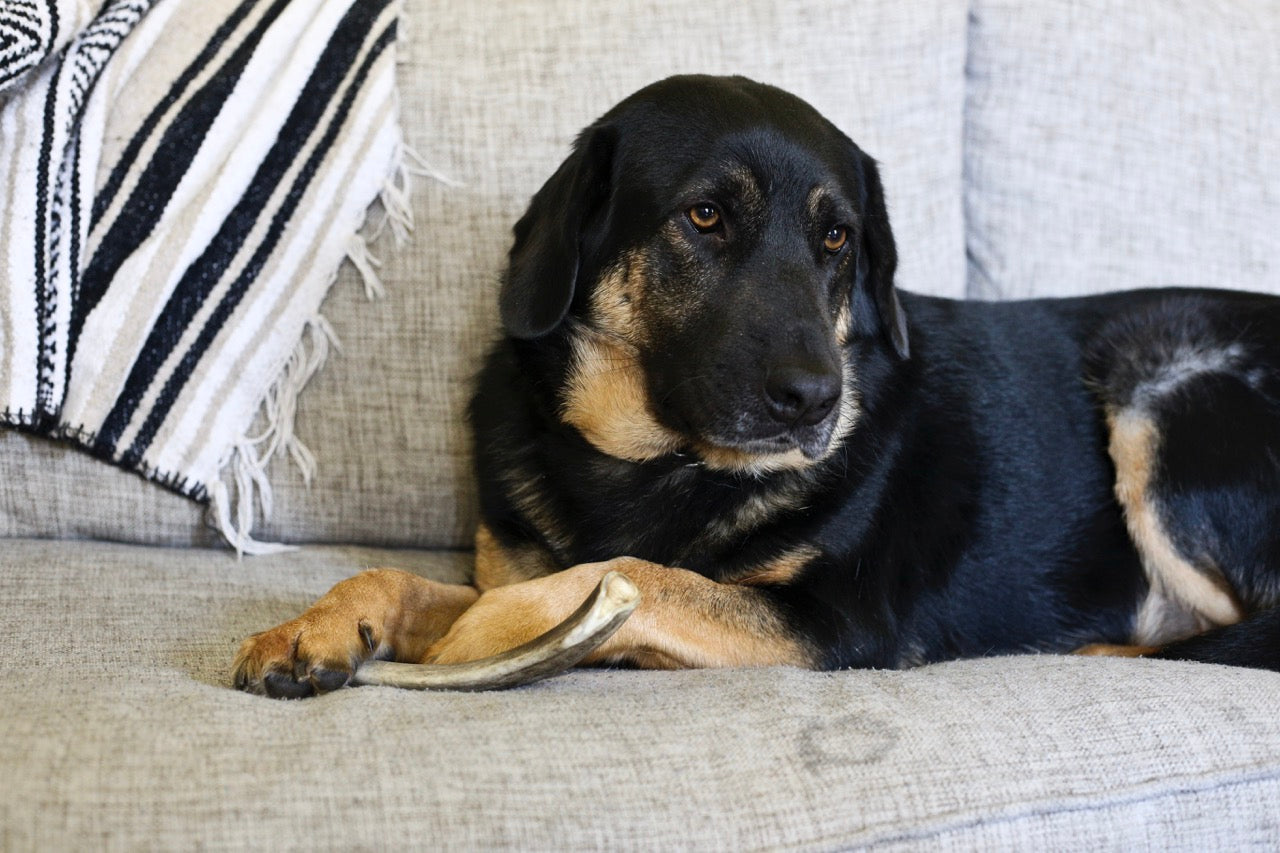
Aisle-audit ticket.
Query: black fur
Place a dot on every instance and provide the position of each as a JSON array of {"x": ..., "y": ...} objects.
[{"x": 970, "y": 510}]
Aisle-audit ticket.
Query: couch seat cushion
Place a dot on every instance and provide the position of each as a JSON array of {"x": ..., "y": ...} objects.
[{"x": 121, "y": 732}]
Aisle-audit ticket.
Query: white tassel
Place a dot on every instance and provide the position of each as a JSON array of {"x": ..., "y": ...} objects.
[
  {"x": 246, "y": 461},
  {"x": 415, "y": 164},
  {"x": 396, "y": 205},
  {"x": 367, "y": 265},
  {"x": 238, "y": 537}
]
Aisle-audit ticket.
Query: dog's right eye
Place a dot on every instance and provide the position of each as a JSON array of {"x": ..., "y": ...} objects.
[{"x": 705, "y": 217}]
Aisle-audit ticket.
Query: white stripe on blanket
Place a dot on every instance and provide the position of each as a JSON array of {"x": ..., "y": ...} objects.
[{"x": 196, "y": 175}]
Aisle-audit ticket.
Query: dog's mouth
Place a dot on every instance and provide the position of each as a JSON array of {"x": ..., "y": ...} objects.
[
  {"x": 767, "y": 447},
  {"x": 734, "y": 430},
  {"x": 811, "y": 441},
  {"x": 741, "y": 426}
]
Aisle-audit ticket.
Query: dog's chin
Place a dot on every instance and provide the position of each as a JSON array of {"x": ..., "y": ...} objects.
[{"x": 788, "y": 449}]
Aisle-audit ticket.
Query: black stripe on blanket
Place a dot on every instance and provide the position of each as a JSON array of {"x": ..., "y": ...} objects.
[
  {"x": 65, "y": 101},
  {"x": 178, "y": 146},
  {"x": 23, "y": 44},
  {"x": 178, "y": 379},
  {"x": 204, "y": 274},
  {"x": 45, "y": 293},
  {"x": 107, "y": 193}
]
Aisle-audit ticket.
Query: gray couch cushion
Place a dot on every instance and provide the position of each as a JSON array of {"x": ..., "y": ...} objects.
[
  {"x": 492, "y": 96},
  {"x": 1112, "y": 144},
  {"x": 121, "y": 733}
]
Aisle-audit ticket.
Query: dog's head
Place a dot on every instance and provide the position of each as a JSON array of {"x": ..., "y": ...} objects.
[{"x": 712, "y": 251}]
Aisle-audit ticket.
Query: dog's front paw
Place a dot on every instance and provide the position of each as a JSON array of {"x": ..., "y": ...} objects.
[
  {"x": 315, "y": 653},
  {"x": 380, "y": 613}
]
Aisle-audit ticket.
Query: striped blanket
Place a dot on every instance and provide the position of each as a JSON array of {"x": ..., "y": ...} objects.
[{"x": 181, "y": 180}]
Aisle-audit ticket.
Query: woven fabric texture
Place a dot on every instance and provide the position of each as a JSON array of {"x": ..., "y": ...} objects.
[
  {"x": 1112, "y": 144},
  {"x": 121, "y": 733},
  {"x": 33, "y": 30},
  {"x": 492, "y": 95}
]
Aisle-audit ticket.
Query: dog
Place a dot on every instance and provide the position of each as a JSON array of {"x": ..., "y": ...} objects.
[{"x": 709, "y": 383}]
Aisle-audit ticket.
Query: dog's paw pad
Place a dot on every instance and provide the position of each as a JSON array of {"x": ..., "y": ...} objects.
[
  {"x": 309, "y": 655},
  {"x": 326, "y": 680},
  {"x": 281, "y": 685}
]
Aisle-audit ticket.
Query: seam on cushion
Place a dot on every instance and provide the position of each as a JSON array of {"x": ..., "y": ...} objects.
[
  {"x": 971, "y": 26},
  {"x": 1146, "y": 792}
]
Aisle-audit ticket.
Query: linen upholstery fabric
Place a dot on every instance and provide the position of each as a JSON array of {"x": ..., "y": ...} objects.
[
  {"x": 121, "y": 732},
  {"x": 1112, "y": 144},
  {"x": 133, "y": 509},
  {"x": 492, "y": 95}
]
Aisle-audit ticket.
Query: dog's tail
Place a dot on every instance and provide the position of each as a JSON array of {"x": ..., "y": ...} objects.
[{"x": 1253, "y": 643}]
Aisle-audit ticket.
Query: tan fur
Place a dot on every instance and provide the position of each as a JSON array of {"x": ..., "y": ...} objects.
[
  {"x": 616, "y": 295},
  {"x": 605, "y": 396},
  {"x": 497, "y": 565},
  {"x": 1110, "y": 651},
  {"x": 754, "y": 512},
  {"x": 605, "y": 399},
  {"x": 755, "y": 464},
  {"x": 398, "y": 612},
  {"x": 747, "y": 190},
  {"x": 813, "y": 203},
  {"x": 782, "y": 569},
  {"x": 844, "y": 324},
  {"x": 683, "y": 620},
  {"x": 525, "y": 492},
  {"x": 740, "y": 184},
  {"x": 1183, "y": 598}
]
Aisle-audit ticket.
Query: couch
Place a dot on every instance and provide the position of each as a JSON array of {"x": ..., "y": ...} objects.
[{"x": 1049, "y": 148}]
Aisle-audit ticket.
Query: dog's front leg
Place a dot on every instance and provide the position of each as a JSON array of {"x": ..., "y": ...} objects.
[
  {"x": 683, "y": 620},
  {"x": 383, "y": 613}
]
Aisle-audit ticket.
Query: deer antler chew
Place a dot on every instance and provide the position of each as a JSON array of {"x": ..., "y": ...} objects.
[{"x": 552, "y": 653}]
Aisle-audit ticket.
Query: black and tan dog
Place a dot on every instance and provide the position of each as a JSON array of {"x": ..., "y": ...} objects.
[{"x": 709, "y": 382}]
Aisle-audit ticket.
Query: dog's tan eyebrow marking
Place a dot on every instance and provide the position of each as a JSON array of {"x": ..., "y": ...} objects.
[
  {"x": 823, "y": 205},
  {"x": 738, "y": 183},
  {"x": 750, "y": 194},
  {"x": 814, "y": 204}
]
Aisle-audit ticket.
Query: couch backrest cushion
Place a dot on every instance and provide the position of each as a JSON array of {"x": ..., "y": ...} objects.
[
  {"x": 492, "y": 95},
  {"x": 1113, "y": 144}
]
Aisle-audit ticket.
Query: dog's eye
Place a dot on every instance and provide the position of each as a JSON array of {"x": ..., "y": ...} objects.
[
  {"x": 705, "y": 217},
  {"x": 835, "y": 239}
]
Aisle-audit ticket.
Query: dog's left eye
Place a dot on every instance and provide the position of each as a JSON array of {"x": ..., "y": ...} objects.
[
  {"x": 705, "y": 217},
  {"x": 835, "y": 239}
]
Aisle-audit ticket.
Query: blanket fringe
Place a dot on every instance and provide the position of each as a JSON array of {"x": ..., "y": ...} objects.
[
  {"x": 248, "y": 458},
  {"x": 245, "y": 464},
  {"x": 366, "y": 263}
]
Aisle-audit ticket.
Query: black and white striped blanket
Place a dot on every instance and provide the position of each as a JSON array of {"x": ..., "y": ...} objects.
[{"x": 181, "y": 180}]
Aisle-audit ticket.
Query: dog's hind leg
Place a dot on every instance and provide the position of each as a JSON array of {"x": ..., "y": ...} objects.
[
  {"x": 1194, "y": 429},
  {"x": 1188, "y": 593}
]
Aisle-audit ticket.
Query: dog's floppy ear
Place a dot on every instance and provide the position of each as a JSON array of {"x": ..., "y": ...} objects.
[
  {"x": 878, "y": 257},
  {"x": 543, "y": 265}
]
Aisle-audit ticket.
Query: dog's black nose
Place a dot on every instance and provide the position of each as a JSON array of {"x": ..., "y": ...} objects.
[{"x": 801, "y": 395}]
